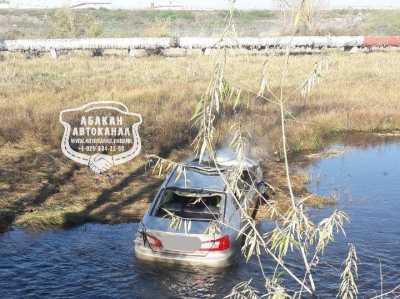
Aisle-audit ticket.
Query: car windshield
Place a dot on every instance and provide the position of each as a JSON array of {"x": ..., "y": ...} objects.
[{"x": 185, "y": 204}]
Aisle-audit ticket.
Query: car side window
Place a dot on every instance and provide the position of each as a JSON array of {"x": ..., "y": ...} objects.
[
  {"x": 247, "y": 179},
  {"x": 245, "y": 183}
]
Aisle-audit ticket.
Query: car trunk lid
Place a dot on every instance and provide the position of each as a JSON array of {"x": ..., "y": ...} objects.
[
  {"x": 161, "y": 238},
  {"x": 174, "y": 243}
]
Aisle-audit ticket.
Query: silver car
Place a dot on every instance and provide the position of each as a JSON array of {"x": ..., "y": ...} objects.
[{"x": 209, "y": 218}]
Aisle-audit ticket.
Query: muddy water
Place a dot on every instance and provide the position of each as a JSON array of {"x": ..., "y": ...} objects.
[{"x": 97, "y": 261}]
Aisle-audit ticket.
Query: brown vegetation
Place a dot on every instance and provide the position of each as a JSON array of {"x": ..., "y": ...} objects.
[
  {"x": 39, "y": 186},
  {"x": 19, "y": 23}
]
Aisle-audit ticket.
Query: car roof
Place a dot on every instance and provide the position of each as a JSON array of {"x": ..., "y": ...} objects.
[
  {"x": 206, "y": 175},
  {"x": 226, "y": 157}
]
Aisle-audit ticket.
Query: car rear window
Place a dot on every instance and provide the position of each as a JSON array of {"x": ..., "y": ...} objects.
[
  {"x": 195, "y": 179},
  {"x": 196, "y": 206}
]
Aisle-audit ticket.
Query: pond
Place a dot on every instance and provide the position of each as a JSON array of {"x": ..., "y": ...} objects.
[
  {"x": 97, "y": 261},
  {"x": 366, "y": 182}
]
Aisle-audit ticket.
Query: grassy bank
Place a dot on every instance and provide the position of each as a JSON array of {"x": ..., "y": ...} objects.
[
  {"x": 127, "y": 23},
  {"x": 39, "y": 187}
]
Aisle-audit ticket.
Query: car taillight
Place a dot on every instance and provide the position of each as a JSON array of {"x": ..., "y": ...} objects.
[
  {"x": 216, "y": 245},
  {"x": 153, "y": 242}
]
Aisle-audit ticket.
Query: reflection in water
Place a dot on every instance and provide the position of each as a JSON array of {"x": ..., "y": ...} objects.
[
  {"x": 366, "y": 182},
  {"x": 97, "y": 261},
  {"x": 183, "y": 282}
]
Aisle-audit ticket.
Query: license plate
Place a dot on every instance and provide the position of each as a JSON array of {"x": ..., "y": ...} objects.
[{"x": 181, "y": 243}]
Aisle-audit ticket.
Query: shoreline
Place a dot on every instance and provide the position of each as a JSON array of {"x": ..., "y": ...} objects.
[{"x": 131, "y": 206}]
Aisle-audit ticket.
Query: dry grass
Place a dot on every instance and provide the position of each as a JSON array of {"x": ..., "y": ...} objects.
[
  {"x": 38, "y": 186},
  {"x": 38, "y": 23},
  {"x": 158, "y": 28}
]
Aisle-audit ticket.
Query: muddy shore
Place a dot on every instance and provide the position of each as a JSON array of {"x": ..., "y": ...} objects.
[
  {"x": 45, "y": 190},
  {"x": 43, "y": 195}
]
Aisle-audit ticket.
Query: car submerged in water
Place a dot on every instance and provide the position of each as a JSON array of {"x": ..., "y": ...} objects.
[{"x": 209, "y": 216}]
